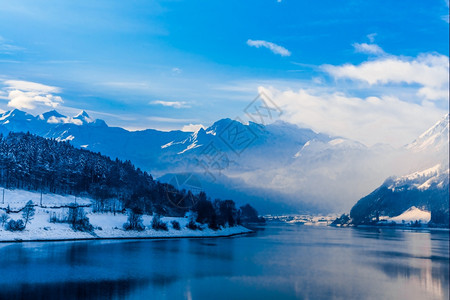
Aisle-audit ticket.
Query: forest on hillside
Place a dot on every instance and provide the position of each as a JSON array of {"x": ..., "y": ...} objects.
[{"x": 34, "y": 163}]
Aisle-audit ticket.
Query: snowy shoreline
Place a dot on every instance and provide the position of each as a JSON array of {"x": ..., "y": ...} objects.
[
  {"x": 110, "y": 226},
  {"x": 106, "y": 225},
  {"x": 131, "y": 235}
]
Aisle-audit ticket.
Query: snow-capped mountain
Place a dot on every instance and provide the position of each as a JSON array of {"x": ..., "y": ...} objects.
[
  {"x": 426, "y": 189},
  {"x": 279, "y": 162},
  {"x": 244, "y": 146},
  {"x": 434, "y": 139},
  {"x": 435, "y": 177},
  {"x": 141, "y": 147}
]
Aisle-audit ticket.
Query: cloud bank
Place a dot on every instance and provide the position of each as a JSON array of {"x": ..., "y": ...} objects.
[
  {"x": 28, "y": 95},
  {"x": 430, "y": 71},
  {"x": 369, "y": 120},
  {"x": 385, "y": 114}
]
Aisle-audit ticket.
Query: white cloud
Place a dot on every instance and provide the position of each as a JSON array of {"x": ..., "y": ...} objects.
[
  {"x": 368, "y": 48},
  {"x": 192, "y": 127},
  {"x": 174, "y": 104},
  {"x": 27, "y": 95},
  {"x": 430, "y": 71},
  {"x": 371, "y": 37},
  {"x": 369, "y": 120},
  {"x": 64, "y": 120},
  {"x": 271, "y": 46}
]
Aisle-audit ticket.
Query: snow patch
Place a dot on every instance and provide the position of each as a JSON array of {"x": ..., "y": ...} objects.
[{"x": 412, "y": 214}]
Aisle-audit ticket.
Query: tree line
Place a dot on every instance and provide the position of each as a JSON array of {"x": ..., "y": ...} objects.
[{"x": 35, "y": 163}]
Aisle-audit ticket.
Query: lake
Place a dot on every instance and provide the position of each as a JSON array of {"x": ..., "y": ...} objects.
[{"x": 278, "y": 261}]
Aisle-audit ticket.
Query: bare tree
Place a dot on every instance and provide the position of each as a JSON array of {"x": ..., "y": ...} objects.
[
  {"x": 28, "y": 212},
  {"x": 4, "y": 218}
]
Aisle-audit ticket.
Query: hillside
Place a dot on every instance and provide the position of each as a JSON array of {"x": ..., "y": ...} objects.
[
  {"x": 33, "y": 163},
  {"x": 427, "y": 189}
]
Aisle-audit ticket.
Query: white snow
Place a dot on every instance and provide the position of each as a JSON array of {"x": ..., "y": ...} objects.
[
  {"x": 16, "y": 199},
  {"x": 412, "y": 214},
  {"x": 434, "y": 138},
  {"x": 167, "y": 145},
  {"x": 336, "y": 142},
  {"x": 191, "y": 146},
  {"x": 83, "y": 117},
  {"x": 422, "y": 180},
  {"x": 106, "y": 225},
  {"x": 426, "y": 173}
]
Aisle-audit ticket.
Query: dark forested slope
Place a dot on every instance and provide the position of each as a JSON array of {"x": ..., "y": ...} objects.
[{"x": 34, "y": 163}]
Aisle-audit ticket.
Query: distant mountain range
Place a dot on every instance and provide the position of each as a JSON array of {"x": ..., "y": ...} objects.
[{"x": 277, "y": 167}]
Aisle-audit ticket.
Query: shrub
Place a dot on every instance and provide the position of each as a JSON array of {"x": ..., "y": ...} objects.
[
  {"x": 192, "y": 225},
  {"x": 82, "y": 225},
  {"x": 157, "y": 224},
  {"x": 13, "y": 225},
  {"x": 175, "y": 225},
  {"x": 78, "y": 220},
  {"x": 134, "y": 221}
]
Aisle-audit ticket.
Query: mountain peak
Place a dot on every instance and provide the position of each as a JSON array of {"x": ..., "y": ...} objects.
[
  {"x": 82, "y": 113},
  {"x": 437, "y": 137},
  {"x": 49, "y": 114},
  {"x": 84, "y": 117},
  {"x": 15, "y": 113}
]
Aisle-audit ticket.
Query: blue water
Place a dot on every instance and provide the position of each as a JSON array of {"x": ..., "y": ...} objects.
[{"x": 279, "y": 261}]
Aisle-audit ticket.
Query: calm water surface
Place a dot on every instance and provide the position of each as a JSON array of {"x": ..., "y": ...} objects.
[{"x": 277, "y": 262}]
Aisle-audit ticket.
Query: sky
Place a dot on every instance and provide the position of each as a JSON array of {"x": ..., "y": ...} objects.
[{"x": 374, "y": 71}]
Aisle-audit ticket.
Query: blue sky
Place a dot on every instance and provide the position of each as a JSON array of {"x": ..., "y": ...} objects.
[{"x": 167, "y": 64}]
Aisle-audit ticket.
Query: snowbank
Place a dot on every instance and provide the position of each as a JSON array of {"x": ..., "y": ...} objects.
[{"x": 106, "y": 225}]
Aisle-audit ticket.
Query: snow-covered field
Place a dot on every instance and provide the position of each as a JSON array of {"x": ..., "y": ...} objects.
[
  {"x": 16, "y": 199},
  {"x": 106, "y": 225},
  {"x": 413, "y": 214}
]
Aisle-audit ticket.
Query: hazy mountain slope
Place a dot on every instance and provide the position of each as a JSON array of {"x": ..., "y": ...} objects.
[
  {"x": 426, "y": 189},
  {"x": 278, "y": 163}
]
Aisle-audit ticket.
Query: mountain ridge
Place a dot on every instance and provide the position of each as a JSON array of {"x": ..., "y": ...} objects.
[{"x": 278, "y": 161}]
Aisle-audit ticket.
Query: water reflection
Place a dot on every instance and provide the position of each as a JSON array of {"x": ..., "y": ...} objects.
[
  {"x": 107, "y": 289},
  {"x": 278, "y": 261},
  {"x": 412, "y": 257}
]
